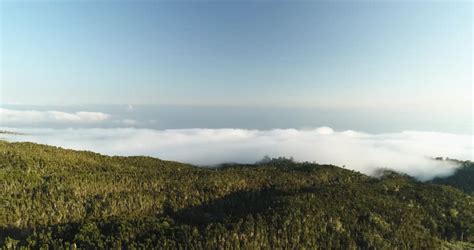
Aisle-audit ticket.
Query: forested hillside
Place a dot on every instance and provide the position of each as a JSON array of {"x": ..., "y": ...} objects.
[
  {"x": 463, "y": 178},
  {"x": 63, "y": 198}
]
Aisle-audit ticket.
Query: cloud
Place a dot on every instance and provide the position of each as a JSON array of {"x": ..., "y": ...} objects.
[
  {"x": 9, "y": 116},
  {"x": 129, "y": 122},
  {"x": 409, "y": 152},
  {"x": 130, "y": 108}
]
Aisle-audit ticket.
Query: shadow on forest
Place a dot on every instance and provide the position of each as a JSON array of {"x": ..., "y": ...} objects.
[
  {"x": 229, "y": 208},
  {"x": 14, "y": 232},
  {"x": 235, "y": 206}
]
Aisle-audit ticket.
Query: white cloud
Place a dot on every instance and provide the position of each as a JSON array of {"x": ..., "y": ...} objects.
[
  {"x": 130, "y": 108},
  {"x": 409, "y": 152},
  {"x": 8, "y": 116},
  {"x": 128, "y": 122}
]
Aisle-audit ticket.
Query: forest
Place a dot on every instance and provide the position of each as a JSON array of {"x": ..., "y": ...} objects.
[
  {"x": 57, "y": 198},
  {"x": 463, "y": 178}
]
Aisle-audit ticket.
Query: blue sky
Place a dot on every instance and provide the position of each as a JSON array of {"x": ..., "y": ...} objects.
[{"x": 396, "y": 56}]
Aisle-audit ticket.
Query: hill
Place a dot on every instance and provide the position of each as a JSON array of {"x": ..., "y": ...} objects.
[
  {"x": 463, "y": 178},
  {"x": 63, "y": 198}
]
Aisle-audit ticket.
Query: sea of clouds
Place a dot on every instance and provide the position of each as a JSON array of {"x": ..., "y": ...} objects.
[{"x": 409, "y": 152}]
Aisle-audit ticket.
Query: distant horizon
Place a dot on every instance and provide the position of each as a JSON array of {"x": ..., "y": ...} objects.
[{"x": 245, "y": 117}]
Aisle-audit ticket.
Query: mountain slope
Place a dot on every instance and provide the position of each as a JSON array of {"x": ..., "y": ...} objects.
[
  {"x": 463, "y": 178},
  {"x": 61, "y": 198}
]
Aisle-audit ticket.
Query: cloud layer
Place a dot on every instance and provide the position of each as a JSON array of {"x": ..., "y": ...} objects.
[
  {"x": 408, "y": 152},
  {"x": 9, "y": 116}
]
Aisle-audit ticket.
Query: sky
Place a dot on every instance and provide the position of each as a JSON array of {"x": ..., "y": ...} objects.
[
  {"x": 306, "y": 54},
  {"x": 372, "y": 84}
]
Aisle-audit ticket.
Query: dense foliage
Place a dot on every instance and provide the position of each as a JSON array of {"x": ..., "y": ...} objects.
[
  {"x": 463, "y": 178},
  {"x": 63, "y": 198}
]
